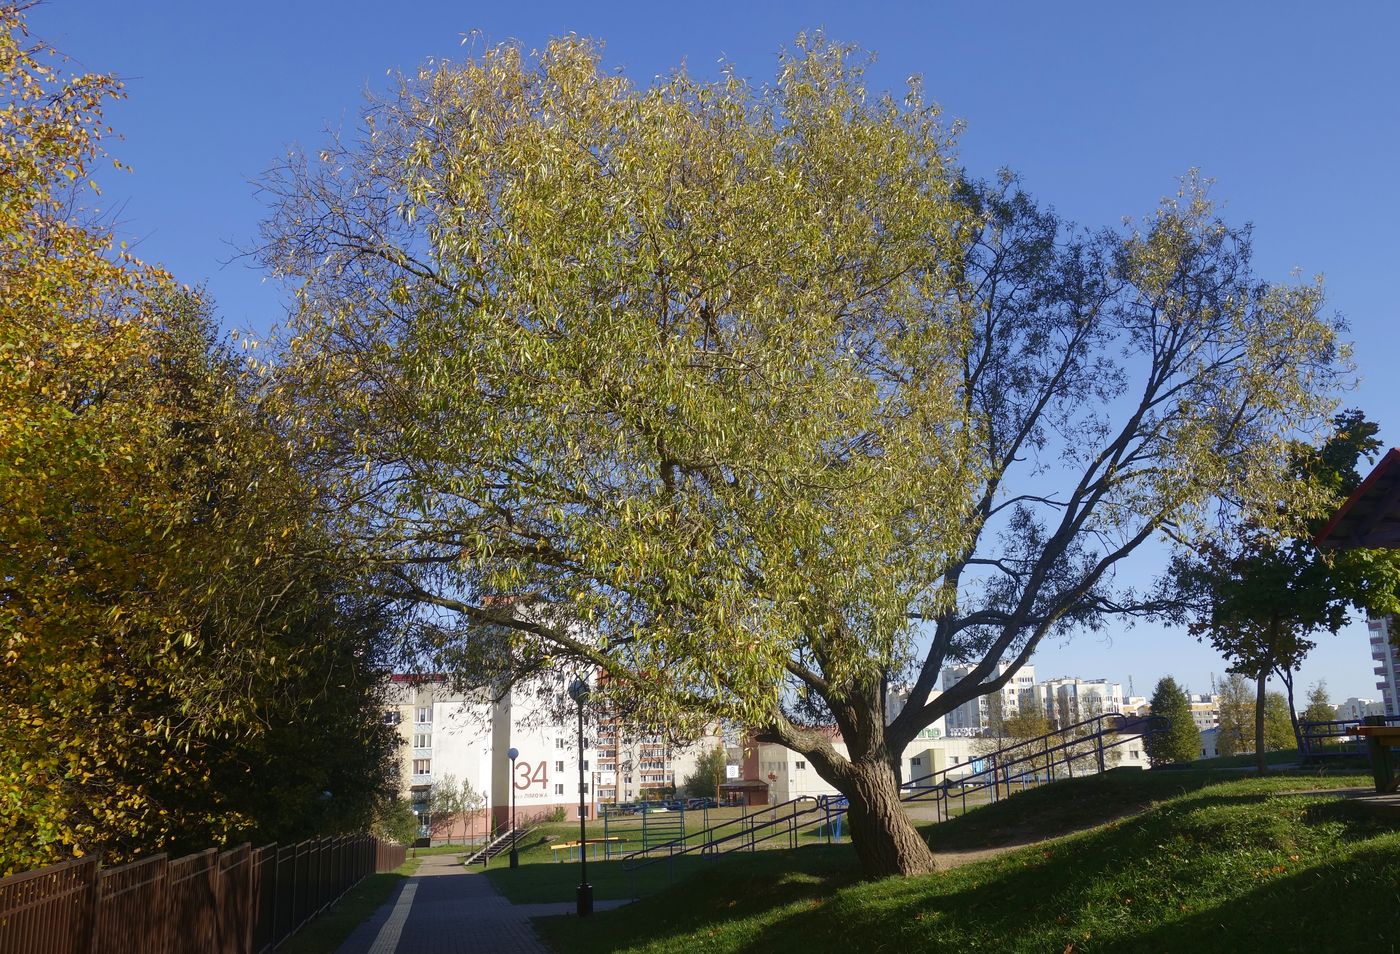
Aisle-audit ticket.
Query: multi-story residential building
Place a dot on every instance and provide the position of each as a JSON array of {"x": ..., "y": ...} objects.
[
  {"x": 639, "y": 763},
  {"x": 466, "y": 737},
  {"x": 1069, "y": 699},
  {"x": 1387, "y": 669},
  {"x": 977, "y": 715},
  {"x": 1205, "y": 710}
]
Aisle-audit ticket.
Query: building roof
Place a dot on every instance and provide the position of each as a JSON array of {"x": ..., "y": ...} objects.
[{"x": 1371, "y": 516}]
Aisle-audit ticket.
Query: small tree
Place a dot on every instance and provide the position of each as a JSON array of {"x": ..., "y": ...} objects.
[
  {"x": 1278, "y": 723},
  {"x": 1320, "y": 708},
  {"x": 1180, "y": 741},
  {"x": 1260, "y": 598},
  {"x": 708, "y": 774},
  {"x": 1235, "y": 735},
  {"x": 397, "y": 822}
]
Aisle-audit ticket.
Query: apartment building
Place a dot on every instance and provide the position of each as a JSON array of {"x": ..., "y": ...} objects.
[
  {"x": 1354, "y": 709},
  {"x": 637, "y": 763},
  {"x": 1205, "y": 710},
  {"x": 467, "y": 737},
  {"x": 976, "y": 715},
  {"x": 1387, "y": 660}
]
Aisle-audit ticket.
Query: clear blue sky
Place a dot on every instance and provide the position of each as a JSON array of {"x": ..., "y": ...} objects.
[{"x": 1290, "y": 106}]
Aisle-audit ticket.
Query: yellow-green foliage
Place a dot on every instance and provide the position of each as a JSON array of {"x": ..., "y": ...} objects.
[
  {"x": 682, "y": 357},
  {"x": 152, "y": 586}
]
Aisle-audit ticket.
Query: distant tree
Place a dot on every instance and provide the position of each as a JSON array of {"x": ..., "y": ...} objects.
[
  {"x": 1181, "y": 741},
  {"x": 1278, "y": 723},
  {"x": 1235, "y": 735},
  {"x": 708, "y": 774},
  {"x": 1320, "y": 708},
  {"x": 445, "y": 804},
  {"x": 1028, "y": 723},
  {"x": 1260, "y": 597},
  {"x": 397, "y": 822}
]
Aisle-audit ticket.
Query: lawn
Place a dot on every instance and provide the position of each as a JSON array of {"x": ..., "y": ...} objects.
[
  {"x": 325, "y": 932},
  {"x": 1194, "y": 861}
]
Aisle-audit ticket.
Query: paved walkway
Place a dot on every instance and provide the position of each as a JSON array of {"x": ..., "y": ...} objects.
[{"x": 446, "y": 909}]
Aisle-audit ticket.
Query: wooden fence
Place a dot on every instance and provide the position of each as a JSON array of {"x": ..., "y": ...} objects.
[{"x": 242, "y": 901}]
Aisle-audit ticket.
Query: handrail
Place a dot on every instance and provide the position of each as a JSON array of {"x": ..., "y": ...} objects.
[
  {"x": 1001, "y": 770},
  {"x": 703, "y": 840}
]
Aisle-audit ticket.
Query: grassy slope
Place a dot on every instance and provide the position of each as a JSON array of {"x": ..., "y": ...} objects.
[{"x": 1220, "y": 865}]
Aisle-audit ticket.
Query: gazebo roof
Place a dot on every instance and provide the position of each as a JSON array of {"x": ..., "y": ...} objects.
[{"x": 1371, "y": 516}]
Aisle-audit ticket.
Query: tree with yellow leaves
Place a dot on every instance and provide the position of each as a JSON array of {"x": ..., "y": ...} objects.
[{"x": 162, "y": 620}]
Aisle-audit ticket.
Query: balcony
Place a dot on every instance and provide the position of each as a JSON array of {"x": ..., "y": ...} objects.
[{"x": 422, "y": 778}]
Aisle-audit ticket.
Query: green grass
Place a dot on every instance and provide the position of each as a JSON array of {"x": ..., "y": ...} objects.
[
  {"x": 1211, "y": 863},
  {"x": 551, "y": 875},
  {"x": 328, "y": 931},
  {"x": 546, "y": 875}
]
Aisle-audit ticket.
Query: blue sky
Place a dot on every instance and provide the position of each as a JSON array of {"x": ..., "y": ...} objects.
[{"x": 1289, "y": 106}]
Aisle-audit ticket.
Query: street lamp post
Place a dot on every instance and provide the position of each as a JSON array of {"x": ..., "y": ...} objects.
[
  {"x": 579, "y": 691},
  {"x": 513, "y": 753}
]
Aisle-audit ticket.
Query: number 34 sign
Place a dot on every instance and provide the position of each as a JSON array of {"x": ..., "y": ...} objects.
[{"x": 528, "y": 774}]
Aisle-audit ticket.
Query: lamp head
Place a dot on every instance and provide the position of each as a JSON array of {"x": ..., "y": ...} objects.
[
  {"x": 512, "y": 753},
  {"x": 578, "y": 690}
]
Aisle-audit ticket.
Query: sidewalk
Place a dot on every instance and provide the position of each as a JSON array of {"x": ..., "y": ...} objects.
[{"x": 446, "y": 909}]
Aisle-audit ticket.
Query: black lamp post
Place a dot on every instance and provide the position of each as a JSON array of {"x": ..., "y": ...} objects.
[
  {"x": 579, "y": 691},
  {"x": 513, "y": 753}
]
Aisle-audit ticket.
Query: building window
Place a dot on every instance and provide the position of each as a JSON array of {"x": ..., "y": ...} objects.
[
  {"x": 558, "y": 766},
  {"x": 422, "y": 766},
  {"x": 956, "y": 760},
  {"x": 559, "y": 790},
  {"x": 422, "y": 740},
  {"x": 560, "y": 743},
  {"x": 425, "y": 714},
  {"x": 916, "y": 760},
  {"x": 801, "y": 765}
]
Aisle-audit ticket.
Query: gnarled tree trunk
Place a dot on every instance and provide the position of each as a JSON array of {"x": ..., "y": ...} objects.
[{"x": 885, "y": 842}]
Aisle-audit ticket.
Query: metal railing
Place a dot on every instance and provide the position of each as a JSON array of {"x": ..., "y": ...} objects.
[
  {"x": 1334, "y": 738},
  {"x": 242, "y": 901},
  {"x": 1084, "y": 748}
]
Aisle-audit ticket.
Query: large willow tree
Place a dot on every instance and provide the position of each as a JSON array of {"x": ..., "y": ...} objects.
[{"x": 724, "y": 386}]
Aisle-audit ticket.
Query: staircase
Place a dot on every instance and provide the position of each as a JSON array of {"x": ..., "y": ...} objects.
[{"x": 495, "y": 846}]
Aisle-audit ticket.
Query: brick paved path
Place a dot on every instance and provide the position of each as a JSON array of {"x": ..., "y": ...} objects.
[{"x": 446, "y": 909}]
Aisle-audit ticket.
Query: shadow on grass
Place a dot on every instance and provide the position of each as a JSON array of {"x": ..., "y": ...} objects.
[
  {"x": 1172, "y": 879},
  {"x": 1350, "y": 904},
  {"x": 726, "y": 889},
  {"x": 326, "y": 932}
]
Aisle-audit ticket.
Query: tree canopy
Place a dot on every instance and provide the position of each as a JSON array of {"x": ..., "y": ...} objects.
[
  {"x": 1261, "y": 595},
  {"x": 1181, "y": 740},
  {"x": 176, "y": 670},
  {"x": 747, "y": 397}
]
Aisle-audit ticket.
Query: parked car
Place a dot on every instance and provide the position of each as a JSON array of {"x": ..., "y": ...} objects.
[
  {"x": 675, "y": 805},
  {"x": 695, "y": 803},
  {"x": 648, "y": 808}
]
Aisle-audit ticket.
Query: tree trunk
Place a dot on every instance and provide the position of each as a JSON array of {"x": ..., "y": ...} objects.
[
  {"x": 1287, "y": 676},
  {"x": 885, "y": 842},
  {"x": 1261, "y": 762}
]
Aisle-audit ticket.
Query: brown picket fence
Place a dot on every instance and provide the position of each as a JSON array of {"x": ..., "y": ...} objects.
[{"x": 242, "y": 901}]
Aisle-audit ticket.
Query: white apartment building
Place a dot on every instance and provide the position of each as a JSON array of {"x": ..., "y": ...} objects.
[
  {"x": 468, "y": 737},
  {"x": 1069, "y": 699},
  {"x": 1354, "y": 709},
  {"x": 1387, "y": 668},
  {"x": 975, "y": 715}
]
